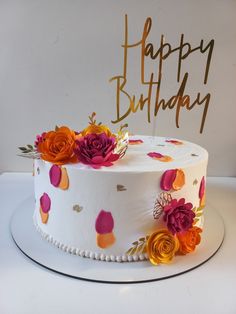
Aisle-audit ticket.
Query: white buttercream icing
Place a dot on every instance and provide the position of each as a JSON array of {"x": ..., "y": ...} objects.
[{"x": 131, "y": 208}]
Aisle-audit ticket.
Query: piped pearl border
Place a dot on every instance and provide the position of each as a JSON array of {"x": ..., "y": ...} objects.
[{"x": 87, "y": 253}]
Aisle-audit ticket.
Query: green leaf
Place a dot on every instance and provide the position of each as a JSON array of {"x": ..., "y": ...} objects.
[
  {"x": 22, "y": 148},
  {"x": 199, "y": 214},
  {"x": 141, "y": 247},
  {"x": 56, "y": 128},
  {"x": 141, "y": 239},
  {"x": 133, "y": 251},
  {"x": 128, "y": 252},
  {"x": 30, "y": 146},
  {"x": 135, "y": 243}
]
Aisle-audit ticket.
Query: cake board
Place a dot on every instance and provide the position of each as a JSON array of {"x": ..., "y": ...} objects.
[{"x": 30, "y": 242}]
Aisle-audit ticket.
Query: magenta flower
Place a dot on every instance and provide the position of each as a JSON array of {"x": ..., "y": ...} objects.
[
  {"x": 39, "y": 139},
  {"x": 178, "y": 215},
  {"x": 96, "y": 150}
]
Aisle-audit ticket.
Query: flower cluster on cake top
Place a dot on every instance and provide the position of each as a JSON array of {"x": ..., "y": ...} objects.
[{"x": 95, "y": 146}]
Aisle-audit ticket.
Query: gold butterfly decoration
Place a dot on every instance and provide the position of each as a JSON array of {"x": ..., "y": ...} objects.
[
  {"x": 120, "y": 188},
  {"x": 77, "y": 208}
]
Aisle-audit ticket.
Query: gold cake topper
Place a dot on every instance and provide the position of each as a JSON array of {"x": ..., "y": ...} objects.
[{"x": 152, "y": 101}]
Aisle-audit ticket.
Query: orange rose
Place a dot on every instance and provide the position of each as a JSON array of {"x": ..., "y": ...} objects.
[
  {"x": 162, "y": 246},
  {"x": 96, "y": 129},
  {"x": 189, "y": 239},
  {"x": 58, "y": 146}
]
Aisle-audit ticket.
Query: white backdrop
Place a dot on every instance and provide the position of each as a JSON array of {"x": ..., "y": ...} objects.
[{"x": 56, "y": 59}]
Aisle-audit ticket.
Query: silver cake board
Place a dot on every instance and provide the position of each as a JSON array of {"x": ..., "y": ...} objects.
[{"x": 31, "y": 243}]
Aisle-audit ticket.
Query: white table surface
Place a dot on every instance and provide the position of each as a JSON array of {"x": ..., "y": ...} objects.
[{"x": 29, "y": 288}]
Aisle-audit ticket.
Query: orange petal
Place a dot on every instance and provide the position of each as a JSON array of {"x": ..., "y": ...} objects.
[
  {"x": 64, "y": 183},
  {"x": 105, "y": 240},
  {"x": 179, "y": 180},
  {"x": 44, "y": 216},
  {"x": 203, "y": 200},
  {"x": 165, "y": 159}
]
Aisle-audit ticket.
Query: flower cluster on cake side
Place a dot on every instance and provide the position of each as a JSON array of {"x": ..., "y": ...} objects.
[{"x": 181, "y": 234}]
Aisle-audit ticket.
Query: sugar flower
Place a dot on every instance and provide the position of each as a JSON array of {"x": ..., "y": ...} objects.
[
  {"x": 96, "y": 150},
  {"x": 58, "y": 146},
  {"x": 162, "y": 247},
  {"x": 189, "y": 239},
  {"x": 178, "y": 215}
]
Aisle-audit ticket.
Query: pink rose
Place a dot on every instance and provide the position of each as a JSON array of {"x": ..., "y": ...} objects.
[
  {"x": 96, "y": 150},
  {"x": 178, "y": 215}
]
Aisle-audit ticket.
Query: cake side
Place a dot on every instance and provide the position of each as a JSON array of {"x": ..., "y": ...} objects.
[{"x": 101, "y": 213}]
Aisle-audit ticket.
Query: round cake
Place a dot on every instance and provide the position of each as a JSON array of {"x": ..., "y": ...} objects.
[{"x": 149, "y": 202}]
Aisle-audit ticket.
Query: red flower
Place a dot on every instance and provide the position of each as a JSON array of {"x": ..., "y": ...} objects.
[
  {"x": 96, "y": 150},
  {"x": 178, "y": 215}
]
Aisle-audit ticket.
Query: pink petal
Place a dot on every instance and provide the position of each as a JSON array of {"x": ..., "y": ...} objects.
[
  {"x": 107, "y": 164},
  {"x": 202, "y": 188},
  {"x": 167, "y": 208},
  {"x": 154, "y": 155},
  {"x": 189, "y": 206},
  {"x": 104, "y": 222},
  {"x": 55, "y": 175},
  {"x": 167, "y": 179},
  {"x": 114, "y": 157},
  {"x": 45, "y": 203},
  {"x": 174, "y": 142},
  {"x": 181, "y": 202},
  {"x": 97, "y": 159},
  {"x": 136, "y": 141}
]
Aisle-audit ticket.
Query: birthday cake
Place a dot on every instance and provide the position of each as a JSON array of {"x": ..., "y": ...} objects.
[{"x": 119, "y": 198}]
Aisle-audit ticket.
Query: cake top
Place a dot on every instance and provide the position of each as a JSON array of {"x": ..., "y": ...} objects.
[
  {"x": 153, "y": 153},
  {"x": 97, "y": 148}
]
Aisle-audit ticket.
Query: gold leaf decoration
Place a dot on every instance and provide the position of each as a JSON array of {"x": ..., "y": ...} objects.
[
  {"x": 163, "y": 200},
  {"x": 194, "y": 155},
  {"x": 77, "y": 208},
  {"x": 29, "y": 152},
  {"x": 120, "y": 188},
  {"x": 138, "y": 247},
  {"x": 195, "y": 182},
  {"x": 122, "y": 141},
  {"x": 198, "y": 213}
]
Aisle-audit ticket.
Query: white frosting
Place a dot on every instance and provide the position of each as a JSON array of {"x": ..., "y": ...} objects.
[{"x": 131, "y": 208}]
